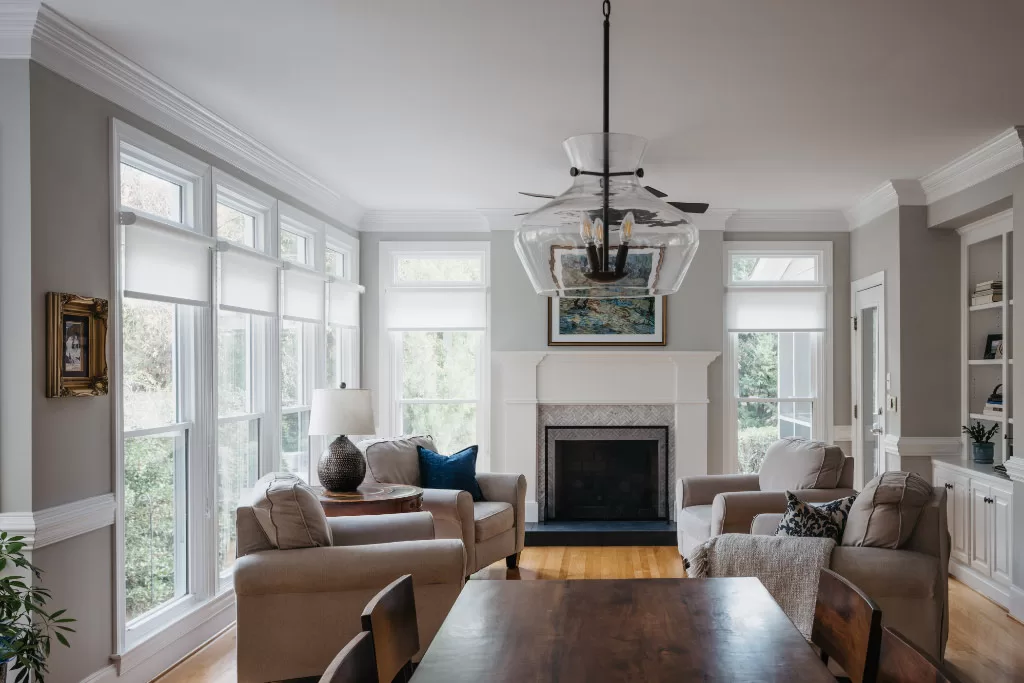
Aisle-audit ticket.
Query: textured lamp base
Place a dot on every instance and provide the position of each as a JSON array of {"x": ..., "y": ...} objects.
[{"x": 342, "y": 466}]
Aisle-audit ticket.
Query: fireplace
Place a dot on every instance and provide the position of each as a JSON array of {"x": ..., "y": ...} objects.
[{"x": 607, "y": 473}]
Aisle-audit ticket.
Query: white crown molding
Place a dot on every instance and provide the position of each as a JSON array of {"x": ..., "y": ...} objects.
[
  {"x": 883, "y": 199},
  {"x": 999, "y": 154},
  {"x": 17, "y": 19},
  {"x": 66, "y": 49},
  {"x": 56, "y": 524},
  {"x": 910, "y": 446},
  {"x": 787, "y": 221},
  {"x": 424, "y": 221}
]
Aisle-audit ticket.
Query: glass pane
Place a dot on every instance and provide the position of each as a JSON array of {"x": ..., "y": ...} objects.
[
  {"x": 148, "y": 364},
  {"x": 453, "y": 425},
  {"x": 774, "y": 268},
  {"x": 440, "y": 364},
  {"x": 236, "y": 225},
  {"x": 795, "y": 419},
  {"x": 776, "y": 364},
  {"x": 293, "y": 246},
  {"x": 151, "y": 194},
  {"x": 334, "y": 356},
  {"x": 238, "y": 463},
  {"x": 760, "y": 424},
  {"x": 291, "y": 363},
  {"x": 295, "y": 443},
  {"x": 334, "y": 263},
  {"x": 155, "y": 522},
  {"x": 233, "y": 364},
  {"x": 439, "y": 269}
]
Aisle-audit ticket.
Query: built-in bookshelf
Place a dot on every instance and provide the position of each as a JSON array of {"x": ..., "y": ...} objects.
[{"x": 987, "y": 313}]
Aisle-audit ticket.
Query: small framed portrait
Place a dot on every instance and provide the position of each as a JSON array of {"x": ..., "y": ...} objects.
[
  {"x": 76, "y": 345},
  {"x": 994, "y": 347}
]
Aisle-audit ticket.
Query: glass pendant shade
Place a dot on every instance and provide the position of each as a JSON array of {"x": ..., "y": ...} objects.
[{"x": 650, "y": 243}]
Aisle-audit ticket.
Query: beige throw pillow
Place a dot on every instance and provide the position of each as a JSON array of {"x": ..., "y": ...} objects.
[
  {"x": 792, "y": 464},
  {"x": 289, "y": 513},
  {"x": 886, "y": 511},
  {"x": 396, "y": 460}
]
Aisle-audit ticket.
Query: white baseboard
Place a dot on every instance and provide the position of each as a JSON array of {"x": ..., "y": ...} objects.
[
  {"x": 995, "y": 592},
  {"x": 532, "y": 514},
  {"x": 107, "y": 674},
  {"x": 1016, "y": 605}
]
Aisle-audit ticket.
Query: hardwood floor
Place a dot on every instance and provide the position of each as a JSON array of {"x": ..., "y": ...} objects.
[{"x": 985, "y": 645}]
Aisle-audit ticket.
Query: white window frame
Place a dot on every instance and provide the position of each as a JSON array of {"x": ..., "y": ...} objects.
[
  {"x": 348, "y": 247},
  {"x": 390, "y": 380},
  {"x": 243, "y": 197},
  {"x": 822, "y": 404}
]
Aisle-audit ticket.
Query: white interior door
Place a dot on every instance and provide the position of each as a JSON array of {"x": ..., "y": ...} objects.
[{"x": 868, "y": 379}]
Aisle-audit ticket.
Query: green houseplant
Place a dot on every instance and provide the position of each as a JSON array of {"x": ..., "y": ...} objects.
[
  {"x": 26, "y": 628},
  {"x": 982, "y": 446}
]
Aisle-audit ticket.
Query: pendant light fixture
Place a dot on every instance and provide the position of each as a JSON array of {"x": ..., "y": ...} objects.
[{"x": 607, "y": 236}]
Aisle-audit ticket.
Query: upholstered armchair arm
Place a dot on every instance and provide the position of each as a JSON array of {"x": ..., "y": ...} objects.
[
  {"x": 703, "y": 489},
  {"x": 733, "y": 513},
  {"x": 358, "y": 567},
  {"x": 453, "y": 517},
  {"x": 765, "y": 524},
  {"x": 370, "y": 529},
  {"x": 511, "y": 489}
]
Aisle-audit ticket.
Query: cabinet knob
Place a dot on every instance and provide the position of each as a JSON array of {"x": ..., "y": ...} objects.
[{"x": 948, "y": 485}]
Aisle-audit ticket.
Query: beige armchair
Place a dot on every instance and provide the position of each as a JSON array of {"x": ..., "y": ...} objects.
[
  {"x": 491, "y": 529},
  {"x": 297, "y": 608},
  {"x": 710, "y": 505},
  {"x": 910, "y": 585}
]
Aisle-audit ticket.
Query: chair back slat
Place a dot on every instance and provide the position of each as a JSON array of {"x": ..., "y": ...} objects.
[
  {"x": 391, "y": 618},
  {"x": 901, "y": 661},
  {"x": 355, "y": 663},
  {"x": 847, "y": 627}
]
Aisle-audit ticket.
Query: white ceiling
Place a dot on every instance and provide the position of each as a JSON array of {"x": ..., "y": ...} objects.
[{"x": 457, "y": 104}]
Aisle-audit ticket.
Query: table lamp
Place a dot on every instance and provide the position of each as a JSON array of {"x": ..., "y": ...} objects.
[{"x": 341, "y": 411}]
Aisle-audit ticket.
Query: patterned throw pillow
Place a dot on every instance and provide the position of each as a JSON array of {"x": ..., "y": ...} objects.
[{"x": 819, "y": 520}]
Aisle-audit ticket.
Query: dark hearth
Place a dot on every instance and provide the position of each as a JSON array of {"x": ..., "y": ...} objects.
[{"x": 607, "y": 480}]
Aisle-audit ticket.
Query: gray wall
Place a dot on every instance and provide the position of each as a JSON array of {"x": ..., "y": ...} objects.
[{"x": 73, "y": 439}]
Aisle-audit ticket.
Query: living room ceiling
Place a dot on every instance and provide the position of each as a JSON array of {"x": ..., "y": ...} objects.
[{"x": 405, "y": 104}]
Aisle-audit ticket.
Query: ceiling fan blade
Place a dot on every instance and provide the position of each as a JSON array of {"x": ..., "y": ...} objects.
[
  {"x": 657, "y": 193},
  {"x": 690, "y": 207},
  {"x": 538, "y": 196}
]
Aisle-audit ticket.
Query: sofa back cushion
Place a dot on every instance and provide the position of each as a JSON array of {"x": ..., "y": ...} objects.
[
  {"x": 394, "y": 460},
  {"x": 793, "y": 463},
  {"x": 285, "y": 514},
  {"x": 886, "y": 511}
]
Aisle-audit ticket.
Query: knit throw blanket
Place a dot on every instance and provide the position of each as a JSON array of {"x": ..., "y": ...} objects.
[{"x": 787, "y": 566}]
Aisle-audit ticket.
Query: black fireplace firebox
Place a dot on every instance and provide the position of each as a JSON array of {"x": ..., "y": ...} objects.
[{"x": 608, "y": 479}]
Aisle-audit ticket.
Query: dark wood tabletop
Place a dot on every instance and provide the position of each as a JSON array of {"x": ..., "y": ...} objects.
[{"x": 647, "y": 630}]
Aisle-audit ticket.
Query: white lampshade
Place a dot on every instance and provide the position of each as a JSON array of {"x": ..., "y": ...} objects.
[{"x": 341, "y": 411}]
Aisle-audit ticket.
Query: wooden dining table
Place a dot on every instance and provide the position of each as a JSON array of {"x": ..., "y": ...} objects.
[{"x": 646, "y": 630}]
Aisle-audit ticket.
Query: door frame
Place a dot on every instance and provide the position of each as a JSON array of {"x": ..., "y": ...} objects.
[{"x": 857, "y": 416}]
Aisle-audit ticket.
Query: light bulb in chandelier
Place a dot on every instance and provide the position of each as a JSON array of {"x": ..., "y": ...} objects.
[
  {"x": 625, "y": 235},
  {"x": 586, "y": 230}
]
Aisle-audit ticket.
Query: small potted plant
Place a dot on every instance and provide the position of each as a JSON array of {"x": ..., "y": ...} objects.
[
  {"x": 982, "y": 446},
  {"x": 25, "y": 626}
]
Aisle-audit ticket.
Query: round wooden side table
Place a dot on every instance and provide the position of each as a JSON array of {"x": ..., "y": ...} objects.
[{"x": 372, "y": 499}]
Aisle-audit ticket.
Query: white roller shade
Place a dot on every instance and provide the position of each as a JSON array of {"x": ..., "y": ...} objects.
[
  {"x": 752, "y": 310},
  {"x": 449, "y": 309},
  {"x": 167, "y": 263},
  {"x": 248, "y": 282},
  {"x": 343, "y": 308},
  {"x": 304, "y": 294}
]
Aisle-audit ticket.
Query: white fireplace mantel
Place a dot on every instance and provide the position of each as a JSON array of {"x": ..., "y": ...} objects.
[{"x": 523, "y": 379}]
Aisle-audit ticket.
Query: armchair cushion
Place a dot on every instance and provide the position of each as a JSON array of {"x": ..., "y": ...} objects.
[
  {"x": 794, "y": 463},
  {"x": 288, "y": 514},
  {"x": 695, "y": 521},
  {"x": 456, "y": 471},
  {"x": 394, "y": 460},
  {"x": 492, "y": 518},
  {"x": 886, "y": 511},
  {"x": 370, "y": 529}
]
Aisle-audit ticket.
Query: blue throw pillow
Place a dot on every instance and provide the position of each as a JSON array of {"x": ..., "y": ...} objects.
[{"x": 457, "y": 471}]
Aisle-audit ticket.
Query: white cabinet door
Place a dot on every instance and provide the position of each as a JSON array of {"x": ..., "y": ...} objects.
[
  {"x": 1002, "y": 514},
  {"x": 958, "y": 497},
  {"x": 980, "y": 543}
]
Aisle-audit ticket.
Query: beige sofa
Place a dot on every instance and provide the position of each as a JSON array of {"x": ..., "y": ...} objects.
[
  {"x": 491, "y": 529},
  {"x": 910, "y": 585},
  {"x": 710, "y": 505},
  {"x": 297, "y": 608}
]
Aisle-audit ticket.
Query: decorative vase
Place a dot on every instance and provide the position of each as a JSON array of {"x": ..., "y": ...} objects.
[
  {"x": 341, "y": 467},
  {"x": 983, "y": 452}
]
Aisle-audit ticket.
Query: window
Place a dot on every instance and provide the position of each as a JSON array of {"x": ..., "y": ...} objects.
[
  {"x": 434, "y": 318},
  {"x": 778, "y": 324},
  {"x": 335, "y": 263},
  {"x": 296, "y": 396},
  {"x": 236, "y": 225},
  {"x": 150, "y": 193}
]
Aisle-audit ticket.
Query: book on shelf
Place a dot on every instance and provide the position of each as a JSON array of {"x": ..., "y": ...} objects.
[
  {"x": 994, "y": 409},
  {"x": 988, "y": 284},
  {"x": 980, "y": 299}
]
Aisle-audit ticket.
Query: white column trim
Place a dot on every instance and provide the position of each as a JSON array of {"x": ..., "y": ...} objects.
[
  {"x": 911, "y": 446},
  {"x": 59, "y": 523}
]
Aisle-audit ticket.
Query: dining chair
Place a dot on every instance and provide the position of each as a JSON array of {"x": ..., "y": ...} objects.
[
  {"x": 901, "y": 661},
  {"x": 847, "y": 627},
  {"x": 391, "y": 618},
  {"x": 355, "y": 663}
]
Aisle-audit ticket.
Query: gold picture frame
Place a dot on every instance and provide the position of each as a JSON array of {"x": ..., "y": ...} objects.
[{"x": 76, "y": 345}]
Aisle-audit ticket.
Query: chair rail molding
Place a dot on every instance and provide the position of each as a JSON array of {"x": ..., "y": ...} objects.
[
  {"x": 63, "y": 47},
  {"x": 916, "y": 446},
  {"x": 59, "y": 523}
]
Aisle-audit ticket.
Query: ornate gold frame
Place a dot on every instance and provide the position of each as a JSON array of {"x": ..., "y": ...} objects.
[{"x": 96, "y": 382}]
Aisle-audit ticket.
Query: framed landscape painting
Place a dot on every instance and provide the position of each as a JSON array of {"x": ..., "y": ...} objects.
[{"x": 575, "y": 321}]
